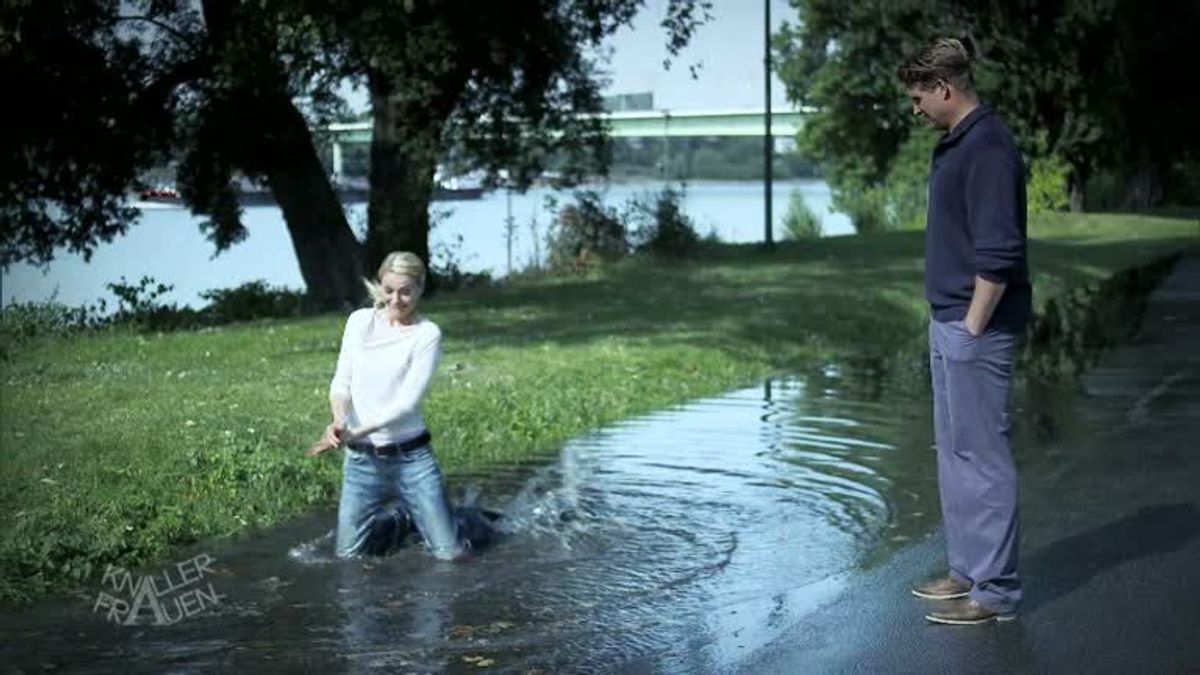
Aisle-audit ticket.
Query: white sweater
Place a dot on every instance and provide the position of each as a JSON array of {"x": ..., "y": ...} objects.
[{"x": 385, "y": 370}]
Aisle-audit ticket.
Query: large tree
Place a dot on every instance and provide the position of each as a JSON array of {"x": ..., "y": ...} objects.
[
  {"x": 86, "y": 114},
  {"x": 235, "y": 89},
  {"x": 838, "y": 58},
  {"x": 1075, "y": 79},
  {"x": 124, "y": 86},
  {"x": 507, "y": 87},
  {"x": 1094, "y": 82}
]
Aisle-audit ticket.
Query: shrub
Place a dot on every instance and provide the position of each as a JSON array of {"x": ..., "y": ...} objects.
[
  {"x": 1047, "y": 188},
  {"x": 900, "y": 200},
  {"x": 866, "y": 206},
  {"x": 800, "y": 222},
  {"x": 907, "y": 183},
  {"x": 138, "y": 305},
  {"x": 446, "y": 266},
  {"x": 660, "y": 225},
  {"x": 21, "y": 322},
  {"x": 254, "y": 300},
  {"x": 585, "y": 232}
]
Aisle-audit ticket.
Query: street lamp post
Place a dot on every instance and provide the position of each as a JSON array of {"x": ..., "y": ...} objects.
[{"x": 768, "y": 141}]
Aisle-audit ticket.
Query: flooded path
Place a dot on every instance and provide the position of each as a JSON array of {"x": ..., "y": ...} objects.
[{"x": 676, "y": 540}]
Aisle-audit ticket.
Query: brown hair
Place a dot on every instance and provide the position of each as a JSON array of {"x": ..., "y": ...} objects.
[{"x": 941, "y": 60}]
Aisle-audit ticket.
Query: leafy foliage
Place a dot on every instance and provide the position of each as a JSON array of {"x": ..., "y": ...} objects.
[
  {"x": 1074, "y": 80},
  {"x": 907, "y": 183},
  {"x": 1047, "y": 189},
  {"x": 840, "y": 59},
  {"x": 76, "y": 147},
  {"x": 232, "y": 90},
  {"x": 800, "y": 222},
  {"x": 140, "y": 307},
  {"x": 659, "y": 225},
  {"x": 586, "y": 232},
  {"x": 255, "y": 300}
]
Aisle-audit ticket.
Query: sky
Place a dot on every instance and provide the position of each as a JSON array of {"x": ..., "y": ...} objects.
[{"x": 728, "y": 49}]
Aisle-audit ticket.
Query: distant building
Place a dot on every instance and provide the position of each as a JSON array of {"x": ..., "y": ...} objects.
[{"x": 637, "y": 101}]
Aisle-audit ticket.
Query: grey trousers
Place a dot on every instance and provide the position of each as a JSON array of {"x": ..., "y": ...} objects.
[{"x": 977, "y": 481}]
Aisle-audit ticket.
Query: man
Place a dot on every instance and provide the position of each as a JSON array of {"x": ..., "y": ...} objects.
[{"x": 977, "y": 285}]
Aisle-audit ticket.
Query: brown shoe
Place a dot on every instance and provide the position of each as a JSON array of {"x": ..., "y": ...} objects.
[
  {"x": 944, "y": 588},
  {"x": 967, "y": 612}
]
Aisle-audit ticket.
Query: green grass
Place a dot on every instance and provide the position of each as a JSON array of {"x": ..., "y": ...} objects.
[{"x": 119, "y": 446}]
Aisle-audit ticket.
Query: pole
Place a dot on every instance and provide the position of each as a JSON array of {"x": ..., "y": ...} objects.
[
  {"x": 510, "y": 226},
  {"x": 768, "y": 140},
  {"x": 666, "y": 172},
  {"x": 338, "y": 162}
]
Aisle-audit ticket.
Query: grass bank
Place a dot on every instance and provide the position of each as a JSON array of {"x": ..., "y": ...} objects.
[{"x": 119, "y": 446}]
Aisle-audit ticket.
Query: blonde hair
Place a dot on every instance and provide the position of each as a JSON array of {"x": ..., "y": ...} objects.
[
  {"x": 397, "y": 262},
  {"x": 942, "y": 60}
]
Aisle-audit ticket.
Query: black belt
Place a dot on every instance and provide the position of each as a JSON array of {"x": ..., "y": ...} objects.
[{"x": 391, "y": 448}]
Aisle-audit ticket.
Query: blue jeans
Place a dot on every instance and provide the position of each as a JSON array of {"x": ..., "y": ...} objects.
[
  {"x": 380, "y": 494},
  {"x": 977, "y": 480}
]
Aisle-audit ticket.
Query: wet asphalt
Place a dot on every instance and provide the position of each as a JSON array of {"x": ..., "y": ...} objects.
[{"x": 1110, "y": 547}]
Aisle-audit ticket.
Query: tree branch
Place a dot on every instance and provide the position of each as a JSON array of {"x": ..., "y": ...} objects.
[
  {"x": 165, "y": 27},
  {"x": 154, "y": 94}
]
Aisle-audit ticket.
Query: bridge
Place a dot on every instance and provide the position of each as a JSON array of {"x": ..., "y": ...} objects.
[{"x": 638, "y": 124}]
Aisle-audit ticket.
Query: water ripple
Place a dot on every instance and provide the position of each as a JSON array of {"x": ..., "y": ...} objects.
[{"x": 709, "y": 522}]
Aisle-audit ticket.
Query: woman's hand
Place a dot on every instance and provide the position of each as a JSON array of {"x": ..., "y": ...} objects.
[
  {"x": 335, "y": 433},
  {"x": 332, "y": 439}
]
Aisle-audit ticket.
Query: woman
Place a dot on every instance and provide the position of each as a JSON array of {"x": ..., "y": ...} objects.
[{"x": 388, "y": 356}]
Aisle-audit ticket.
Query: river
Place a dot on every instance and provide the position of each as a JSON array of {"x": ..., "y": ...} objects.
[{"x": 167, "y": 245}]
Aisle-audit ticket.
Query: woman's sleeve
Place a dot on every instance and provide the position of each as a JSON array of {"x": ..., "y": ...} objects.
[{"x": 340, "y": 386}]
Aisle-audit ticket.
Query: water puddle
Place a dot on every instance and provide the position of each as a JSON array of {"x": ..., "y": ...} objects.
[{"x": 675, "y": 541}]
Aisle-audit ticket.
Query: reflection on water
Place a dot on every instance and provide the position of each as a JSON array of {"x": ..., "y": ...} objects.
[{"x": 674, "y": 541}]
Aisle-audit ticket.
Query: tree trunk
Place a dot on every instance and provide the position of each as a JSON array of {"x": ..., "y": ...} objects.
[
  {"x": 404, "y": 153},
  {"x": 330, "y": 256},
  {"x": 1077, "y": 190},
  {"x": 276, "y": 142},
  {"x": 1143, "y": 184}
]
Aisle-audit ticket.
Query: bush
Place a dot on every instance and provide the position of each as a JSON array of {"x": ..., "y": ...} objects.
[
  {"x": 800, "y": 222},
  {"x": 585, "y": 232},
  {"x": 446, "y": 268},
  {"x": 138, "y": 305},
  {"x": 660, "y": 225},
  {"x": 1047, "y": 188},
  {"x": 21, "y": 322},
  {"x": 866, "y": 206},
  {"x": 907, "y": 183},
  {"x": 254, "y": 300}
]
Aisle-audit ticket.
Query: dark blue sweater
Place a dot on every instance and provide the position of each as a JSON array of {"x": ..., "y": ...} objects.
[{"x": 976, "y": 223}]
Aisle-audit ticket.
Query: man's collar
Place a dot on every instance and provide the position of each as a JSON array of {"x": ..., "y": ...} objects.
[{"x": 982, "y": 110}]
